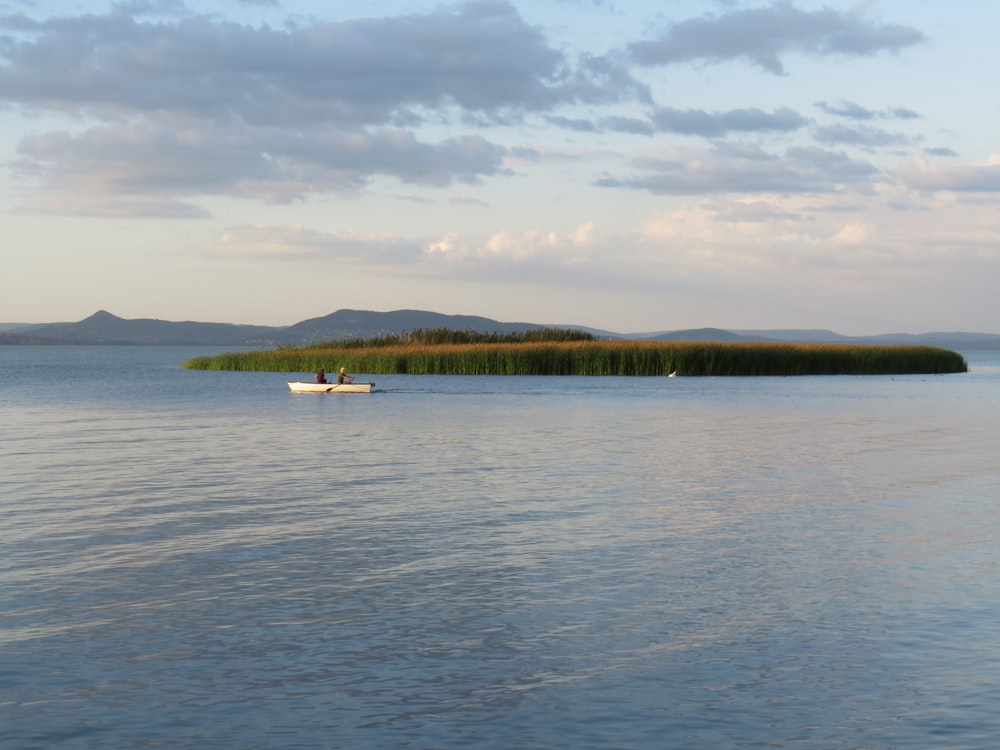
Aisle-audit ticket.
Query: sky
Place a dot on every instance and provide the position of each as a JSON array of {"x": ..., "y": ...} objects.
[{"x": 628, "y": 166}]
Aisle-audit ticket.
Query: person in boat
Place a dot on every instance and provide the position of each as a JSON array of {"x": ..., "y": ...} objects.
[
  {"x": 321, "y": 376},
  {"x": 343, "y": 377}
]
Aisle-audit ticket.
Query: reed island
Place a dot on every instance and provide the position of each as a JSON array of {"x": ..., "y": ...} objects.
[{"x": 553, "y": 351}]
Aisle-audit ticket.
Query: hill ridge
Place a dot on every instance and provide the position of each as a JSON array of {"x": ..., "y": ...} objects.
[{"x": 103, "y": 327}]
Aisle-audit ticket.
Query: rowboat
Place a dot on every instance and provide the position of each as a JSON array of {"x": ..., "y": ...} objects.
[{"x": 298, "y": 387}]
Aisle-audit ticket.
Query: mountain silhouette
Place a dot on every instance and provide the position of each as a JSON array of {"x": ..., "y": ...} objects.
[{"x": 105, "y": 328}]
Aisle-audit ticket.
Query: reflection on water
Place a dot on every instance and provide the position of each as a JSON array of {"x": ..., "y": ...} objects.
[{"x": 205, "y": 560}]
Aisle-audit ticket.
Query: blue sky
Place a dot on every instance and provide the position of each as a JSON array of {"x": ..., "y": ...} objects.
[{"x": 631, "y": 166}]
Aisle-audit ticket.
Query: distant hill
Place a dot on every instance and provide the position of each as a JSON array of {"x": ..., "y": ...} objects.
[
  {"x": 957, "y": 340},
  {"x": 104, "y": 328},
  {"x": 946, "y": 339},
  {"x": 352, "y": 324},
  {"x": 715, "y": 335}
]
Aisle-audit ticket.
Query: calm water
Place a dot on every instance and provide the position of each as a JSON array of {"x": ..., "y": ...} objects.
[{"x": 204, "y": 560}]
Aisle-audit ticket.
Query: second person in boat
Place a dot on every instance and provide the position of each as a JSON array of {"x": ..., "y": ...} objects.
[{"x": 343, "y": 377}]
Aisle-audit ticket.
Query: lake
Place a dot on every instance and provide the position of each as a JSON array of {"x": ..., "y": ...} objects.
[{"x": 199, "y": 559}]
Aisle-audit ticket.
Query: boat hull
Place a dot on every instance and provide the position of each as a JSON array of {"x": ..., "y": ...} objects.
[{"x": 297, "y": 387}]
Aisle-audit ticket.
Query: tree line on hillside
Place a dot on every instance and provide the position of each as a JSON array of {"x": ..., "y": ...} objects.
[{"x": 448, "y": 336}]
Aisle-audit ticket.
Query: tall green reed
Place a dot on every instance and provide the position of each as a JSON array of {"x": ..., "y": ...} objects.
[{"x": 598, "y": 358}]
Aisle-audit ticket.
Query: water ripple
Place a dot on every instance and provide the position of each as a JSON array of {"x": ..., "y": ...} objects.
[{"x": 538, "y": 563}]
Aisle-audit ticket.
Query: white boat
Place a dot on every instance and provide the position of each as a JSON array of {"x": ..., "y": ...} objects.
[{"x": 298, "y": 387}]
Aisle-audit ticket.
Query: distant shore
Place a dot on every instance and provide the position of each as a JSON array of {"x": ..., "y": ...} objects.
[{"x": 103, "y": 328}]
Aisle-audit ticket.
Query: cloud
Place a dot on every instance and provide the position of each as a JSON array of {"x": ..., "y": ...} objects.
[
  {"x": 762, "y": 35},
  {"x": 719, "y": 124},
  {"x": 761, "y": 248},
  {"x": 580, "y": 125},
  {"x": 864, "y": 136},
  {"x": 480, "y": 57},
  {"x": 756, "y": 211},
  {"x": 179, "y": 108},
  {"x": 855, "y": 111},
  {"x": 528, "y": 256},
  {"x": 169, "y": 158},
  {"x": 744, "y": 169},
  {"x": 582, "y": 256},
  {"x": 113, "y": 207},
  {"x": 294, "y": 241},
  {"x": 977, "y": 177},
  {"x": 197, "y": 106},
  {"x": 633, "y": 125},
  {"x": 694, "y": 122},
  {"x": 940, "y": 151},
  {"x": 160, "y": 8},
  {"x": 729, "y": 241}
]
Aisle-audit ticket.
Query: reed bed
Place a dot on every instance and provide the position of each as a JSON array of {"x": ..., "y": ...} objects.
[{"x": 593, "y": 357}]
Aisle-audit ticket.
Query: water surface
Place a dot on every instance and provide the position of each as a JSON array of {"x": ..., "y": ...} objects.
[{"x": 195, "y": 560}]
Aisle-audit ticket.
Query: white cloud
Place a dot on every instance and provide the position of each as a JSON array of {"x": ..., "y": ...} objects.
[
  {"x": 851, "y": 234},
  {"x": 297, "y": 242},
  {"x": 975, "y": 177}
]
